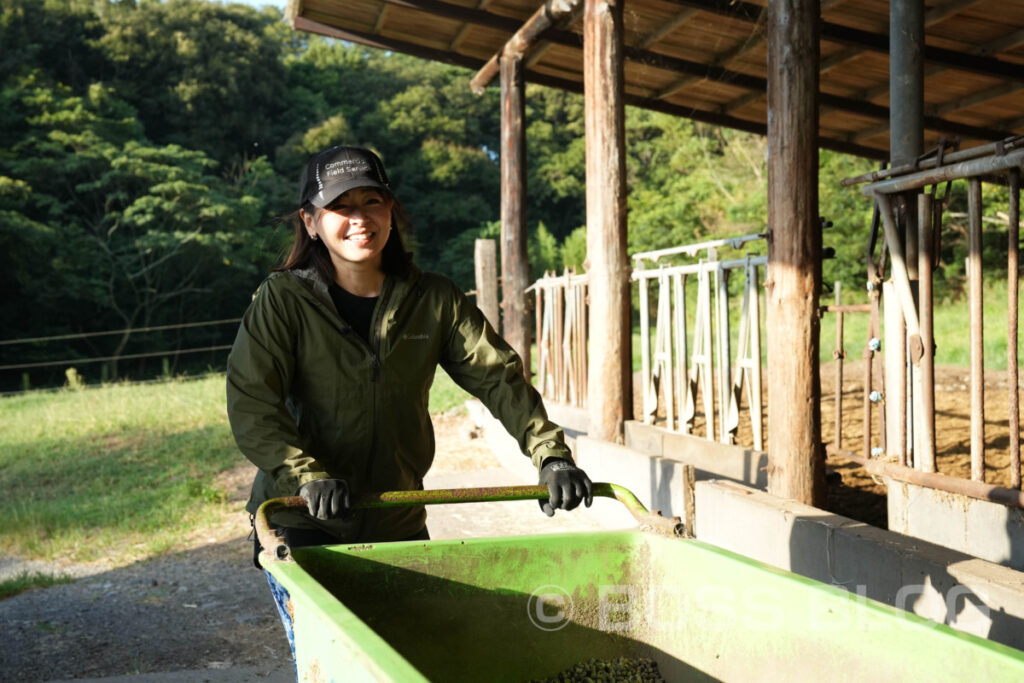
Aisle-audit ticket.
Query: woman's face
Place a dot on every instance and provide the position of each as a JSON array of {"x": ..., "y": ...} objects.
[{"x": 354, "y": 227}]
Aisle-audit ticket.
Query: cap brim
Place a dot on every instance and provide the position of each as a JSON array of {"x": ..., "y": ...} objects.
[{"x": 324, "y": 197}]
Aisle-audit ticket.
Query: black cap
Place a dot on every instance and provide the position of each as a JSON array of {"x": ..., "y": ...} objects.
[{"x": 335, "y": 171}]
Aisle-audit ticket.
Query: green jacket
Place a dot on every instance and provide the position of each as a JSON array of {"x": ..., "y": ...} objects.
[{"x": 308, "y": 398}]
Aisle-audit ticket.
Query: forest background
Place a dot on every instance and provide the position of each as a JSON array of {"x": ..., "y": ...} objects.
[{"x": 148, "y": 149}]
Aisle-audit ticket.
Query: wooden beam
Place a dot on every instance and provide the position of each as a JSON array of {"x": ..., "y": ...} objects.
[
  {"x": 381, "y": 17},
  {"x": 754, "y": 41},
  {"x": 609, "y": 377},
  {"x": 542, "y": 46},
  {"x": 704, "y": 116},
  {"x": 741, "y": 101},
  {"x": 931, "y": 17},
  {"x": 515, "y": 265},
  {"x": 974, "y": 98},
  {"x": 524, "y": 39},
  {"x": 1014, "y": 123},
  {"x": 754, "y": 83},
  {"x": 876, "y": 42},
  {"x": 719, "y": 60},
  {"x": 937, "y": 14},
  {"x": 466, "y": 28},
  {"x": 663, "y": 30},
  {"x": 796, "y": 467},
  {"x": 856, "y": 105},
  {"x": 1007, "y": 42}
]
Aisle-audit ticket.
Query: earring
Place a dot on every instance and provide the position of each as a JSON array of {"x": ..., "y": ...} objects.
[{"x": 313, "y": 236}]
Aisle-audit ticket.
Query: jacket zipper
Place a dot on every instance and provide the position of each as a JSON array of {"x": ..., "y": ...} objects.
[{"x": 377, "y": 332}]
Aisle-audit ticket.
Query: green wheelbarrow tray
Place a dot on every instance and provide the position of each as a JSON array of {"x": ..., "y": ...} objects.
[{"x": 524, "y": 608}]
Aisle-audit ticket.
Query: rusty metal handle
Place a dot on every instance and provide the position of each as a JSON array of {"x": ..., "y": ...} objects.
[{"x": 271, "y": 539}]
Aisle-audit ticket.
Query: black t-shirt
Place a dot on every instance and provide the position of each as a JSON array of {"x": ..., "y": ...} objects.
[{"x": 357, "y": 311}]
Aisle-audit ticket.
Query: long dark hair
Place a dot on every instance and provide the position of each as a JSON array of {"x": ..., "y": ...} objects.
[{"x": 309, "y": 253}]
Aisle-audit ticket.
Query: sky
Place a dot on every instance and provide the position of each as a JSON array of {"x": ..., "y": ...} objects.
[{"x": 280, "y": 4}]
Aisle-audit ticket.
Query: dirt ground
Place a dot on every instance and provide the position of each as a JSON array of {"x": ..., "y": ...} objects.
[
  {"x": 854, "y": 493},
  {"x": 205, "y": 609},
  {"x": 861, "y": 496}
]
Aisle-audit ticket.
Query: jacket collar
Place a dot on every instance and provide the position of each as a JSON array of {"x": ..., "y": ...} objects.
[{"x": 310, "y": 278}]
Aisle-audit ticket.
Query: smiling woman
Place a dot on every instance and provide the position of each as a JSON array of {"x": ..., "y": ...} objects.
[
  {"x": 329, "y": 377},
  {"x": 354, "y": 224}
]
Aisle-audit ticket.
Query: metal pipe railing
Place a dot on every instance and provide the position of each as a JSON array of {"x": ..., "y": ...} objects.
[
  {"x": 924, "y": 454},
  {"x": 941, "y": 482},
  {"x": 1004, "y": 159},
  {"x": 692, "y": 249},
  {"x": 950, "y": 158},
  {"x": 974, "y": 293},
  {"x": 1013, "y": 271},
  {"x": 966, "y": 169}
]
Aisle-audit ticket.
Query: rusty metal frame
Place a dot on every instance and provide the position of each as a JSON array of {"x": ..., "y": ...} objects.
[{"x": 1004, "y": 159}]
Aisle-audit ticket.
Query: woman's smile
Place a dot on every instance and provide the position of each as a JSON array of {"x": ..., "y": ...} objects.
[{"x": 354, "y": 228}]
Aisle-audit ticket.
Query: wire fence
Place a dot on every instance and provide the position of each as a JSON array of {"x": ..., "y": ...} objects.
[{"x": 70, "y": 362}]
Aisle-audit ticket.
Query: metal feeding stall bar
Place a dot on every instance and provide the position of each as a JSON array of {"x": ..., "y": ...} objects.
[{"x": 896, "y": 193}]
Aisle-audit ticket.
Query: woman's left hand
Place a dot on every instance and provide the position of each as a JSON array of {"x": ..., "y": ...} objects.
[
  {"x": 326, "y": 498},
  {"x": 567, "y": 484}
]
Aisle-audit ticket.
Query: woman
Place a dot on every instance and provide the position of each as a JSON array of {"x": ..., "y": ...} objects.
[{"x": 329, "y": 376}]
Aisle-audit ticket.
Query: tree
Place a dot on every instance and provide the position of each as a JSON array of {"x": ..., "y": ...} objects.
[
  {"x": 120, "y": 229},
  {"x": 200, "y": 74}
]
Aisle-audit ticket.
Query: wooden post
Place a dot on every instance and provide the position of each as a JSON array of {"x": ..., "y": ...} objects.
[
  {"x": 610, "y": 386},
  {"x": 796, "y": 463},
  {"x": 485, "y": 260},
  {"x": 515, "y": 268}
]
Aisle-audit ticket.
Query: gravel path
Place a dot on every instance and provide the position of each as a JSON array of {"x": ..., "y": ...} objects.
[{"x": 203, "y": 609}]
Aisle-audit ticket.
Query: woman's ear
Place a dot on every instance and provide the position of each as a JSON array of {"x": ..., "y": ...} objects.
[{"x": 307, "y": 220}]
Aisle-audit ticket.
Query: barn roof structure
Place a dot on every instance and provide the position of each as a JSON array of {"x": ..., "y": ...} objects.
[
  {"x": 706, "y": 59},
  {"x": 884, "y": 79}
]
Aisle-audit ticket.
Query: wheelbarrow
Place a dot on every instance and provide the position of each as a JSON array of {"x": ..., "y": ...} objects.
[{"x": 527, "y": 608}]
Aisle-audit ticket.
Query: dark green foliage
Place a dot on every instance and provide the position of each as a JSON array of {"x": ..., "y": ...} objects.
[{"x": 201, "y": 74}]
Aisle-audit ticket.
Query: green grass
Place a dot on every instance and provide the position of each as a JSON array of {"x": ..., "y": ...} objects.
[
  {"x": 117, "y": 470},
  {"x": 29, "y": 580},
  {"x": 446, "y": 395},
  {"x": 123, "y": 471},
  {"x": 952, "y": 329}
]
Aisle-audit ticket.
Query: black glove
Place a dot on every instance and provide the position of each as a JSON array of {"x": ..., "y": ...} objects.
[
  {"x": 326, "y": 498},
  {"x": 567, "y": 485}
]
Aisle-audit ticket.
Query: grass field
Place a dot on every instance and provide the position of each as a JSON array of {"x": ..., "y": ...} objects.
[
  {"x": 123, "y": 470},
  {"x": 952, "y": 329}
]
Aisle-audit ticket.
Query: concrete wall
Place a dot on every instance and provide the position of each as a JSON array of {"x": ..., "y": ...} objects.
[
  {"x": 942, "y": 584},
  {"x": 987, "y": 530}
]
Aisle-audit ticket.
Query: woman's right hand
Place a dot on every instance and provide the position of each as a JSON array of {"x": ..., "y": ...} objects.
[{"x": 326, "y": 498}]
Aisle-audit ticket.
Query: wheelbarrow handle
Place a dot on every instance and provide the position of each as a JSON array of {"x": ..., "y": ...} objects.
[{"x": 269, "y": 538}]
